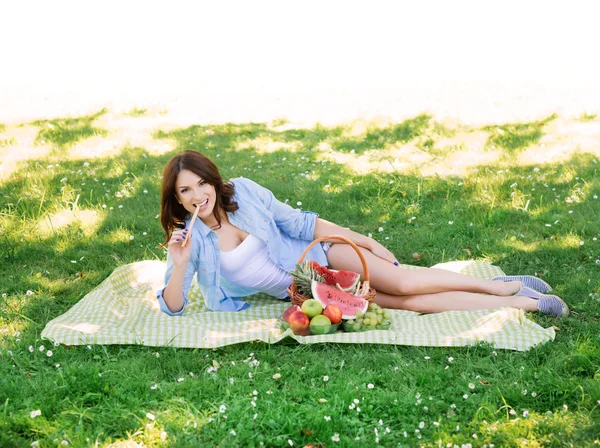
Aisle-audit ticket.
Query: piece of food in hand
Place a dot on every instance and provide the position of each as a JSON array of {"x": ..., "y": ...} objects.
[
  {"x": 349, "y": 304},
  {"x": 334, "y": 313},
  {"x": 312, "y": 308},
  {"x": 191, "y": 226},
  {"x": 287, "y": 313}
]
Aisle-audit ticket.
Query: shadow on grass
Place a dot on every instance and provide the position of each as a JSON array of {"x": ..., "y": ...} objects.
[
  {"x": 65, "y": 132},
  {"x": 363, "y": 203},
  {"x": 381, "y": 137},
  {"x": 516, "y": 136}
]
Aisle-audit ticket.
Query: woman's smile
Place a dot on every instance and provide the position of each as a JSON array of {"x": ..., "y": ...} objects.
[{"x": 193, "y": 191}]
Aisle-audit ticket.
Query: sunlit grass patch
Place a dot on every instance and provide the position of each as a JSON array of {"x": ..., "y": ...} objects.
[{"x": 4, "y": 142}]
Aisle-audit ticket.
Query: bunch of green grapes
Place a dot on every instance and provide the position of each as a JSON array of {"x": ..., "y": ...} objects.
[{"x": 375, "y": 318}]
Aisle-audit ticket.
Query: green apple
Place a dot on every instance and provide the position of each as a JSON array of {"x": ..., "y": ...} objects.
[
  {"x": 320, "y": 324},
  {"x": 312, "y": 308}
]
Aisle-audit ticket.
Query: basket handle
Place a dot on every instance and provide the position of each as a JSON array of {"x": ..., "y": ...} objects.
[{"x": 345, "y": 240}]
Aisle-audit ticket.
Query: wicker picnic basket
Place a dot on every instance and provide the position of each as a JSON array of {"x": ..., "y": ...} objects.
[{"x": 298, "y": 299}]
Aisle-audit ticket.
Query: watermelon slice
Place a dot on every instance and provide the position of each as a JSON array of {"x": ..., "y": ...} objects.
[
  {"x": 330, "y": 295},
  {"x": 346, "y": 280}
]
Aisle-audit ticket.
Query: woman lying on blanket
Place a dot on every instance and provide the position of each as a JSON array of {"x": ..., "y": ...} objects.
[{"x": 246, "y": 241}]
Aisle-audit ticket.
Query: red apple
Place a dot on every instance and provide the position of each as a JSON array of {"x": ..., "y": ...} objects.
[
  {"x": 299, "y": 323},
  {"x": 334, "y": 314},
  {"x": 289, "y": 311}
]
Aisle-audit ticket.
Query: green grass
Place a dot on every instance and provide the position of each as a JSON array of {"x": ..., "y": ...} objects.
[
  {"x": 65, "y": 132},
  {"x": 524, "y": 218},
  {"x": 137, "y": 112},
  {"x": 517, "y": 136},
  {"x": 585, "y": 117}
]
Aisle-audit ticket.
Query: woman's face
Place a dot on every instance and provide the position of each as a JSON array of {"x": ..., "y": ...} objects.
[{"x": 192, "y": 191}]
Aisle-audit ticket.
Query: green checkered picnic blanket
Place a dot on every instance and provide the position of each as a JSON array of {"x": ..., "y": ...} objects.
[{"x": 123, "y": 310}]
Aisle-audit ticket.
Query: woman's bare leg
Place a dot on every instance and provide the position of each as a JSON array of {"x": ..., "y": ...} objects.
[
  {"x": 395, "y": 281},
  {"x": 453, "y": 301}
]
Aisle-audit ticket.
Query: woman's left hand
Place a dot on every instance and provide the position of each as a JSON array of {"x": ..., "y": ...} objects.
[{"x": 379, "y": 250}]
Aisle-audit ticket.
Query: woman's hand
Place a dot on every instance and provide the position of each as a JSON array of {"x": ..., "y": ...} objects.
[
  {"x": 180, "y": 255},
  {"x": 379, "y": 250}
]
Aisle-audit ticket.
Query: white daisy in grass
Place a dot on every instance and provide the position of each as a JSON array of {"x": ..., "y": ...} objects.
[
  {"x": 325, "y": 378},
  {"x": 327, "y": 418},
  {"x": 36, "y": 413},
  {"x": 370, "y": 386},
  {"x": 153, "y": 387},
  {"x": 42, "y": 348},
  {"x": 49, "y": 353},
  {"x": 31, "y": 349},
  {"x": 471, "y": 386},
  {"x": 335, "y": 437}
]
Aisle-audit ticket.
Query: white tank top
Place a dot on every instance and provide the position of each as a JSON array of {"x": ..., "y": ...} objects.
[{"x": 249, "y": 265}]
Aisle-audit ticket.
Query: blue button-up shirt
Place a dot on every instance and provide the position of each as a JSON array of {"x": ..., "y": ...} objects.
[{"x": 285, "y": 230}]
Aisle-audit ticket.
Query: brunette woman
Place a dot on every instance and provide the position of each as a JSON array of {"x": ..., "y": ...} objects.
[{"x": 246, "y": 241}]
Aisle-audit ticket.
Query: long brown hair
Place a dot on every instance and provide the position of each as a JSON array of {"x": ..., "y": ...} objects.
[{"x": 172, "y": 213}]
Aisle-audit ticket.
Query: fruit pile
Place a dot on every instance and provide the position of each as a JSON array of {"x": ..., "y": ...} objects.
[
  {"x": 312, "y": 318},
  {"x": 333, "y": 296},
  {"x": 376, "y": 318}
]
